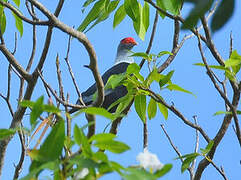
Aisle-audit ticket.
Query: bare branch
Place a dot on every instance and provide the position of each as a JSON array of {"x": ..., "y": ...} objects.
[
  {"x": 175, "y": 149},
  {"x": 7, "y": 98},
  {"x": 61, "y": 88},
  {"x": 71, "y": 72},
  {"x": 231, "y": 44},
  {"x": 19, "y": 166},
  {"x": 225, "y": 98},
  {"x": 15, "y": 44},
  {"x": 15, "y": 11},
  {"x": 176, "y": 47},
  {"x": 226, "y": 121},
  {"x": 210, "y": 43},
  {"x": 145, "y": 134},
  {"x": 18, "y": 115},
  {"x": 11, "y": 59},
  {"x": 196, "y": 148},
  {"x": 221, "y": 171},
  {"x": 83, "y": 39},
  {"x": 56, "y": 96},
  {"x": 151, "y": 39}
]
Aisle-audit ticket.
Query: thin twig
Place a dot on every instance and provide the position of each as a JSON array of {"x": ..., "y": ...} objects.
[
  {"x": 15, "y": 44},
  {"x": 210, "y": 43},
  {"x": 222, "y": 94},
  {"x": 7, "y": 98},
  {"x": 176, "y": 47},
  {"x": 175, "y": 148},
  {"x": 71, "y": 72},
  {"x": 221, "y": 171},
  {"x": 61, "y": 88},
  {"x": 21, "y": 16},
  {"x": 145, "y": 134},
  {"x": 231, "y": 44},
  {"x": 153, "y": 32},
  {"x": 56, "y": 96},
  {"x": 196, "y": 147},
  {"x": 19, "y": 166}
]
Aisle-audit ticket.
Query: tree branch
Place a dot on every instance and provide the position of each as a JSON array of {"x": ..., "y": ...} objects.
[
  {"x": 83, "y": 39},
  {"x": 15, "y": 11},
  {"x": 11, "y": 59}
]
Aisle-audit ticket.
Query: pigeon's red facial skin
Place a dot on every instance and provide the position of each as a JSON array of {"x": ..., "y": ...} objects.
[{"x": 128, "y": 40}]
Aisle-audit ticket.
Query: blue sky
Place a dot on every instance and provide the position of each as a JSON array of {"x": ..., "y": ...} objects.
[{"x": 105, "y": 40}]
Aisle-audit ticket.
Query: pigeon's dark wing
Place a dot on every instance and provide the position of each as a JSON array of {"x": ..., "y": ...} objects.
[{"x": 112, "y": 96}]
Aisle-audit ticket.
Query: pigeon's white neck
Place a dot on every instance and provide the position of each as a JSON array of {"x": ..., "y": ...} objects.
[{"x": 123, "y": 55}]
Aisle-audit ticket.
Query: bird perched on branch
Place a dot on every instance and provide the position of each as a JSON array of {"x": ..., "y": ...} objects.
[{"x": 122, "y": 61}]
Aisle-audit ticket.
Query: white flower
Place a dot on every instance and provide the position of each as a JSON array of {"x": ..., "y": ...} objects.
[
  {"x": 80, "y": 175},
  {"x": 149, "y": 160}
]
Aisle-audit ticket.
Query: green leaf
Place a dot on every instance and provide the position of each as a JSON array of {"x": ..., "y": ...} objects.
[
  {"x": 36, "y": 167},
  {"x": 102, "y": 137},
  {"x": 132, "y": 9},
  {"x": 153, "y": 76},
  {"x": 18, "y": 24},
  {"x": 160, "y": 4},
  {"x": 163, "y": 109},
  {"x": 119, "y": 16},
  {"x": 186, "y": 163},
  {"x": 163, "y": 81},
  {"x": 88, "y": 2},
  {"x": 200, "y": 8},
  {"x": 82, "y": 140},
  {"x": 140, "y": 106},
  {"x": 138, "y": 24},
  {"x": 109, "y": 7},
  {"x": 207, "y": 148},
  {"x": 51, "y": 109},
  {"x": 26, "y": 103},
  {"x": 175, "y": 87},
  {"x": 37, "y": 110},
  {"x": 211, "y": 66},
  {"x": 17, "y": 2},
  {"x": 92, "y": 15},
  {"x": 225, "y": 112},
  {"x": 222, "y": 112},
  {"x": 5, "y": 133},
  {"x": 114, "y": 81},
  {"x": 146, "y": 15},
  {"x": 123, "y": 103},
  {"x": 173, "y": 6},
  {"x": 138, "y": 174},
  {"x": 222, "y": 14},
  {"x": 188, "y": 155},
  {"x": 134, "y": 69},
  {"x": 2, "y": 19},
  {"x": 230, "y": 75},
  {"x": 151, "y": 109},
  {"x": 164, "y": 170},
  {"x": 53, "y": 144},
  {"x": 112, "y": 146},
  {"x": 163, "y": 53},
  {"x": 98, "y": 111},
  {"x": 234, "y": 61},
  {"x": 77, "y": 135},
  {"x": 141, "y": 54}
]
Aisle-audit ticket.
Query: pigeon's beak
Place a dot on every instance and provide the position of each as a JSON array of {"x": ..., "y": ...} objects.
[{"x": 135, "y": 43}]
